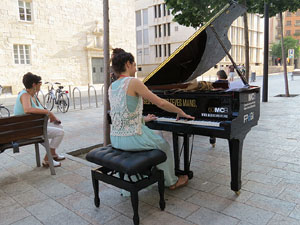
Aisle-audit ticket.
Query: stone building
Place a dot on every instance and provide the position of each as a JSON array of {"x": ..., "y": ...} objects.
[
  {"x": 158, "y": 36},
  {"x": 60, "y": 40}
]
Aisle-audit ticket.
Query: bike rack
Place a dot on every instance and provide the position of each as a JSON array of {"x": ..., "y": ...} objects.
[
  {"x": 89, "y": 88},
  {"x": 76, "y": 88}
]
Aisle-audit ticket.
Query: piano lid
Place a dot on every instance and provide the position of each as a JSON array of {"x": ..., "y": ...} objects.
[{"x": 199, "y": 53}]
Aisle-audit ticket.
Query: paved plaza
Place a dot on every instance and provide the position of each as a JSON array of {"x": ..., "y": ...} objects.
[{"x": 270, "y": 193}]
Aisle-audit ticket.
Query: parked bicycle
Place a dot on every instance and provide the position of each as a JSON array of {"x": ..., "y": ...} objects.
[
  {"x": 4, "y": 112},
  {"x": 59, "y": 97}
]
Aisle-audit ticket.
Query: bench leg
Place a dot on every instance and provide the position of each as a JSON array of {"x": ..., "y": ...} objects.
[
  {"x": 50, "y": 158},
  {"x": 96, "y": 189},
  {"x": 135, "y": 205},
  {"x": 37, "y": 155},
  {"x": 161, "y": 190}
]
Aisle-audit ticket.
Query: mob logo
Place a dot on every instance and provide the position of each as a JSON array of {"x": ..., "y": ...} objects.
[
  {"x": 251, "y": 97},
  {"x": 218, "y": 110},
  {"x": 248, "y": 117}
]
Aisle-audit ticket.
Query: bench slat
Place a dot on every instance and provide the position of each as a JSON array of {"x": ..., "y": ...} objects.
[
  {"x": 21, "y": 134},
  {"x": 16, "y": 119},
  {"x": 20, "y": 125}
]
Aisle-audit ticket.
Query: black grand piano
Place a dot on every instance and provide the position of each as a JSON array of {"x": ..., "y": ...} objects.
[{"x": 229, "y": 113}]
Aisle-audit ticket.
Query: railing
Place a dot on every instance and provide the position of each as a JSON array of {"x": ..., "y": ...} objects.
[
  {"x": 76, "y": 88},
  {"x": 89, "y": 95}
]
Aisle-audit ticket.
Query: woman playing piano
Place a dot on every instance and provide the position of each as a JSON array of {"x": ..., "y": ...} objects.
[{"x": 128, "y": 130}]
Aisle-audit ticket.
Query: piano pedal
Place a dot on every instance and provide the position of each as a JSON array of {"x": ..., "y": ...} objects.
[
  {"x": 212, "y": 141},
  {"x": 237, "y": 193}
]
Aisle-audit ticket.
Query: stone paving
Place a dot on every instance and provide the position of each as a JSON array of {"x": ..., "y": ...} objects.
[{"x": 270, "y": 192}]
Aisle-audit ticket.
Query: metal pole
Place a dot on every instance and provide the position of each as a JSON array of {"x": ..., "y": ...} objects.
[
  {"x": 266, "y": 54},
  {"x": 106, "y": 128}
]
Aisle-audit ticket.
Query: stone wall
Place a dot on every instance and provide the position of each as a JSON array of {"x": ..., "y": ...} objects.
[{"x": 62, "y": 38}]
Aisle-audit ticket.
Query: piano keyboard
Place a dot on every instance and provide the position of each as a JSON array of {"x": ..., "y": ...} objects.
[{"x": 192, "y": 122}]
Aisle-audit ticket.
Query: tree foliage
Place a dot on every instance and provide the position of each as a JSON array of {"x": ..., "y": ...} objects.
[
  {"x": 275, "y": 6},
  {"x": 289, "y": 43},
  {"x": 195, "y": 13}
]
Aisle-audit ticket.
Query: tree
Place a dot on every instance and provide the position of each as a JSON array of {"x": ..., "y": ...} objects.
[
  {"x": 278, "y": 7},
  {"x": 196, "y": 13},
  {"x": 289, "y": 43}
]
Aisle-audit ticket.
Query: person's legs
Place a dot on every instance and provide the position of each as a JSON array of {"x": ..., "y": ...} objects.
[{"x": 56, "y": 134}]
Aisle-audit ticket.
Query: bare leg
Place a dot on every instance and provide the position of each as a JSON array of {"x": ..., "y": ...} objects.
[{"x": 52, "y": 150}]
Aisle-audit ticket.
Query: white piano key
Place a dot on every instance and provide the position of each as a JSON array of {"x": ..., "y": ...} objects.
[{"x": 192, "y": 122}]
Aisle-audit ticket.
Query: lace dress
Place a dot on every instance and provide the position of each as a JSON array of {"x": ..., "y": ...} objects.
[{"x": 128, "y": 130}]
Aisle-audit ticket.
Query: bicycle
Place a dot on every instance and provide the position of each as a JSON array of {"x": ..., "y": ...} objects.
[
  {"x": 59, "y": 97},
  {"x": 4, "y": 112}
]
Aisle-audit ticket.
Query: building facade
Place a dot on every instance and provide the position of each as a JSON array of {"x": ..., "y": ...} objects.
[
  {"x": 291, "y": 25},
  {"x": 60, "y": 40},
  {"x": 158, "y": 36}
]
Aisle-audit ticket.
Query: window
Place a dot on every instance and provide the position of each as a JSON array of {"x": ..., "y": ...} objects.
[
  {"x": 165, "y": 30},
  {"x": 169, "y": 49},
  {"x": 146, "y": 51},
  {"x": 169, "y": 29},
  {"x": 139, "y": 37},
  {"x": 165, "y": 9},
  {"x": 169, "y": 11},
  {"x": 155, "y": 30},
  {"x": 159, "y": 30},
  {"x": 22, "y": 54},
  {"x": 25, "y": 10},
  {"x": 165, "y": 50},
  {"x": 159, "y": 50},
  {"x": 145, "y": 36},
  {"x": 298, "y": 12},
  {"x": 145, "y": 16},
  {"x": 297, "y": 33},
  {"x": 297, "y": 23},
  {"x": 288, "y": 33},
  {"x": 138, "y": 18},
  {"x": 288, "y": 23},
  {"x": 288, "y": 14},
  {"x": 156, "y": 51},
  {"x": 176, "y": 28},
  {"x": 159, "y": 11},
  {"x": 155, "y": 11}
]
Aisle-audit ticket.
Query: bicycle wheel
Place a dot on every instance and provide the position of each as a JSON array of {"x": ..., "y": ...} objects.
[
  {"x": 49, "y": 102},
  {"x": 63, "y": 102},
  {"x": 4, "y": 112}
]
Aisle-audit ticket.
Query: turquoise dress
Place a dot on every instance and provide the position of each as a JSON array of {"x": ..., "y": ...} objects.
[
  {"x": 145, "y": 138},
  {"x": 18, "y": 108}
]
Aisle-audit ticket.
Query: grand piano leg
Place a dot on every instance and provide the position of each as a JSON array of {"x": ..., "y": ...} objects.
[
  {"x": 186, "y": 155},
  {"x": 176, "y": 152},
  {"x": 235, "y": 149}
]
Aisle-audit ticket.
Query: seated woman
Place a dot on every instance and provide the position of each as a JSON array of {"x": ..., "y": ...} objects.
[
  {"x": 28, "y": 103},
  {"x": 128, "y": 130}
]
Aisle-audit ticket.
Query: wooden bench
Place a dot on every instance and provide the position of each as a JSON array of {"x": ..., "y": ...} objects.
[
  {"x": 139, "y": 166},
  {"x": 17, "y": 131}
]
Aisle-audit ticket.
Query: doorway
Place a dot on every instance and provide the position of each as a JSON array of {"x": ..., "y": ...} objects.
[{"x": 98, "y": 70}]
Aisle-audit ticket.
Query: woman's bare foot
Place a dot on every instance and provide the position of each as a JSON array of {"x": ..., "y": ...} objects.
[{"x": 182, "y": 181}]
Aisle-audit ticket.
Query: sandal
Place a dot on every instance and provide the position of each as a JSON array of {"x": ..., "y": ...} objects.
[
  {"x": 55, "y": 163},
  {"x": 179, "y": 184},
  {"x": 58, "y": 157}
]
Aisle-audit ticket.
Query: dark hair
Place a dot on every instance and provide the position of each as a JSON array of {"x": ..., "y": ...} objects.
[
  {"x": 117, "y": 51},
  {"x": 222, "y": 74},
  {"x": 29, "y": 79},
  {"x": 119, "y": 61}
]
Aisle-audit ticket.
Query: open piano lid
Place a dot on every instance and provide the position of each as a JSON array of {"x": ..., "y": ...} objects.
[{"x": 199, "y": 53}]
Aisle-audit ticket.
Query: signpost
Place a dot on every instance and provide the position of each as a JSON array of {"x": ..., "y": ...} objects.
[{"x": 291, "y": 53}]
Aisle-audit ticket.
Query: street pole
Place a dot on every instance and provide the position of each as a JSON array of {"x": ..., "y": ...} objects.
[
  {"x": 106, "y": 127},
  {"x": 266, "y": 54}
]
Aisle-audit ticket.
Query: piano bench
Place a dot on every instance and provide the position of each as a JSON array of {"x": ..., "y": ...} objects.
[{"x": 139, "y": 166}]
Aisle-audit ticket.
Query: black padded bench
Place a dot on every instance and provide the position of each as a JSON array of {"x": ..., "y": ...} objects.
[{"x": 140, "y": 166}]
